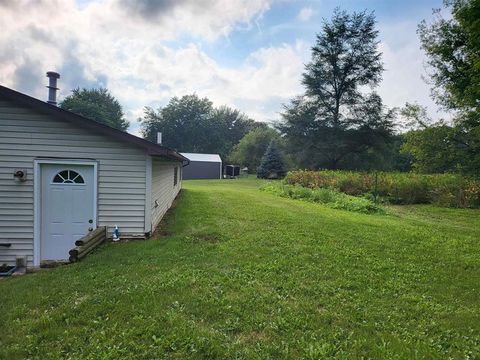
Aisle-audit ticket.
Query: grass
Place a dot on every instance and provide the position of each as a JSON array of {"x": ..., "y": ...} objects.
[{"x": 246, "y": 274}]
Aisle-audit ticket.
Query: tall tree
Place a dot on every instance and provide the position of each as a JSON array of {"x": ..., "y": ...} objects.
[
  {"x": 231, "y": 126},
  {"x": 98, "y": 105},
  {"x": 452, "y": 46},
  {"x": 193, "y": 124},
  {"x": 335, "y": 119}
]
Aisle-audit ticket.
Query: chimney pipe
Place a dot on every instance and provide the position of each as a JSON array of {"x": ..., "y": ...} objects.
[
  {"x": 159, "y": 138},
  {"x": 52, "y": 87}
]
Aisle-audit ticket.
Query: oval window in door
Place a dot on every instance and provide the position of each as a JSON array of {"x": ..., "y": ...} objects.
[{"x": 68, "y": 177}]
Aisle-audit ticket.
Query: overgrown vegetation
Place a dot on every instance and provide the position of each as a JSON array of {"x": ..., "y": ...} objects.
[
  {"x": 449, "y": 190},
  {"x": 243, "y": 274},
  {"x": 330, "y": 198}
]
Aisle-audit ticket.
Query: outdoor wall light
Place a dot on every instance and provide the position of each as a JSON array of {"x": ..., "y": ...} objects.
[{"x": 20, "y": 175}]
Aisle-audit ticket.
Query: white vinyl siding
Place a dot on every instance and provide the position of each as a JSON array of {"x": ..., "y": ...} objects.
[
  {"x": 163, "y": 189},
  {"x": 26, "y": 135}
]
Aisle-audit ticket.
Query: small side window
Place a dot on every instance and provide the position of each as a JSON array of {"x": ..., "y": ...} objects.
[{"x": 175, "y": 176}]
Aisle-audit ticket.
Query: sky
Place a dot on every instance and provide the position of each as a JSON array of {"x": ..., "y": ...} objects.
[{"x": 247, "y": 54}]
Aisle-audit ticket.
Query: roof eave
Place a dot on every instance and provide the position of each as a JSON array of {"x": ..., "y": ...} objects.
[{"x": 151, "y": 148}]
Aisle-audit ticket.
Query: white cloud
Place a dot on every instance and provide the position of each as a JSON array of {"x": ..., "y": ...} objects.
[
  {"x": 132, "y": 50},
  {"x": 305, "y": 14},
  {"x": 404, "y": 67},
  {"x": 209, "y": 19},
  {"x": 268, "y": 77},
  {"x": 121, "y": 44}
]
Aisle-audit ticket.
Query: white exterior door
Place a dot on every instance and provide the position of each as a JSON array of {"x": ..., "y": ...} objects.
[{"x": 67, "y": 207}]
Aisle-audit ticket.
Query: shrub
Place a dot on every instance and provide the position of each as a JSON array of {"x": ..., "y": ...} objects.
[
  {"x": 330, "y": 198},
  {"x": 447, "y": 190}
]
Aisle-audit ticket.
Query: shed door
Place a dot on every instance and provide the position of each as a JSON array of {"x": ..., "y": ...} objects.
[{"x": 67, "y": 208}]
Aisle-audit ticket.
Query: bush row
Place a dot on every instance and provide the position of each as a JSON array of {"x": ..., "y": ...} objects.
[
  {"x": 447, "y": 190},
  {"x": 331, "y": 198}
]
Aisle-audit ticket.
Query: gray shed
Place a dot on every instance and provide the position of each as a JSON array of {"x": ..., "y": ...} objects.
[
  {"x": 202, "y": 166},
  {"x": 62, "y": 175}
]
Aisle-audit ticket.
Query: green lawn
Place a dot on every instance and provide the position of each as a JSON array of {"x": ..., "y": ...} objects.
[{"x": 240, "y": 273}]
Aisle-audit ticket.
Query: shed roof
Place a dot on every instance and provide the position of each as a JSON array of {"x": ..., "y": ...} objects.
[
  {"x": 61, "y": 114},
  {"x": 202, "y": 157}
]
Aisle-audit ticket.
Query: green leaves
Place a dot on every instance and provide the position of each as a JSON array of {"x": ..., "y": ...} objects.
[
  {"x": 452, "y": 46},
  {"x": 251, "y": 148},
  {"x": 453, "y": 50},
  {"x": 98, "y": 105},
  {"x": 192, "y": 124}
]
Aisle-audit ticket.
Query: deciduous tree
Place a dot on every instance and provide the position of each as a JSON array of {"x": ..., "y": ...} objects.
[
  {"x": 98, "y": 105},
  {"x": 251, "y": 148},
  {"x": 193, "y": 124},
  {"x": 452, "y": 46}
]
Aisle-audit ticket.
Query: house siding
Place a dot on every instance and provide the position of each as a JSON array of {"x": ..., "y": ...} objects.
[
  {"x": 26, "y": 135},
  {"x": 163, "y": 190}
]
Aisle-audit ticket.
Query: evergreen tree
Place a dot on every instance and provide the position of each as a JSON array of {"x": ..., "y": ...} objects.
[
  {"x": 272, "y": 165},
  {"x": 335, "y": 120}
]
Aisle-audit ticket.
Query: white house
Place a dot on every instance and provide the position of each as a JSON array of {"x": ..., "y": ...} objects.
[{"x": 62, "y": 175}]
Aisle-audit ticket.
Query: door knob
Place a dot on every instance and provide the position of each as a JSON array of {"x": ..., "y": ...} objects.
[{"x": 90, "y": 221}]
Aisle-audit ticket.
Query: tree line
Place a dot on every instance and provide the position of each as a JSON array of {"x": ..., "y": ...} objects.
[{"x": 339, "y": 121}]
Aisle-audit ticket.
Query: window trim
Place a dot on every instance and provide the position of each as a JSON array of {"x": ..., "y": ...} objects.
[{"x": 53, "y": 182}]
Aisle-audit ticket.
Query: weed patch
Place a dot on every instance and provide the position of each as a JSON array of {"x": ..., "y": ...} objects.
[
  {"x": 330, "y": 198},
  {"x": 446, "y": 190}
]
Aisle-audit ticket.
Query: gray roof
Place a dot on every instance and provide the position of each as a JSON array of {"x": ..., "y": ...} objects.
[
  {"x": 150, "y": 148},
  {"x": 202, "y": 157}
]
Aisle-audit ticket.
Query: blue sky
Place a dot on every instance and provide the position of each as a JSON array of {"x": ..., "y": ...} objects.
[
  {"x": 281, "y": 24},
  {"x": 247, "y": 54}
]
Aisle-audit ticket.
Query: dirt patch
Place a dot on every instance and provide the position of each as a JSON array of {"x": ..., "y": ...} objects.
[{"x": 211, "y": 238}]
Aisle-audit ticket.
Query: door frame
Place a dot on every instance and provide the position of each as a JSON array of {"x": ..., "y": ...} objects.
[{"x": 37, "y": 190}]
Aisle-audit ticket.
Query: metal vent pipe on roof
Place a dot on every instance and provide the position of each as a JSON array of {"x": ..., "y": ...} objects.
[
  {"x": 159, "y": 138},
  {"x": 52, "y": 87}
]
